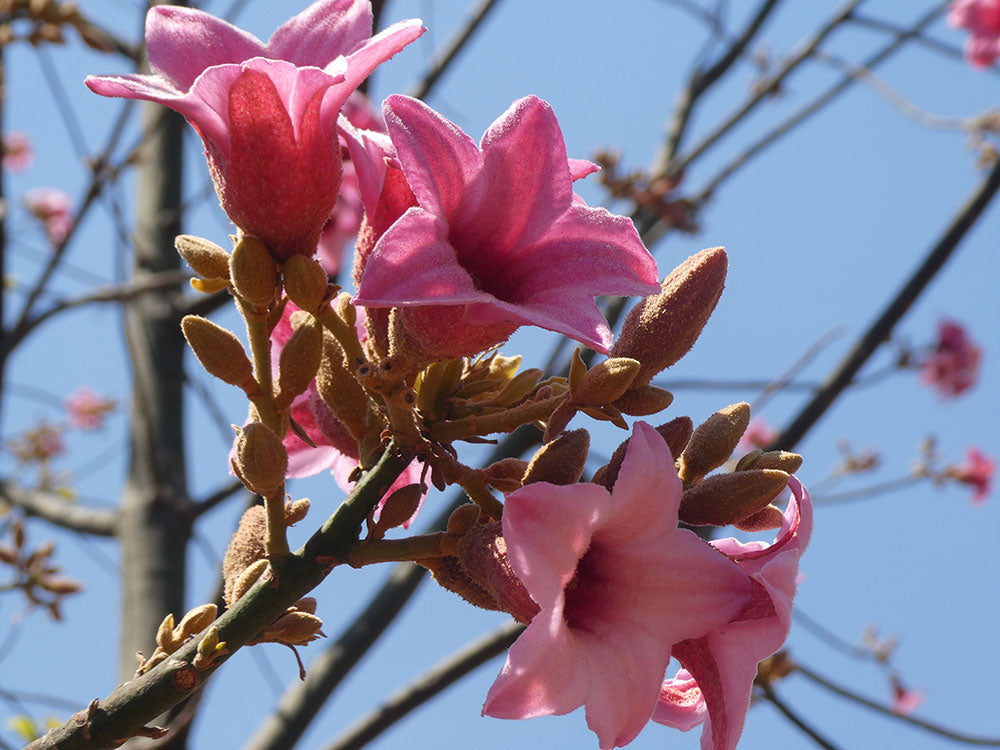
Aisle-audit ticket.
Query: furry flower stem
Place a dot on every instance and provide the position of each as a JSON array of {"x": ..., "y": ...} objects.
[
  {"x": 126, "y": 710},
  {"x": 396, "y": 550},
  {"x": 487, "y": 424},
  {"x": 260, "y": 350}
]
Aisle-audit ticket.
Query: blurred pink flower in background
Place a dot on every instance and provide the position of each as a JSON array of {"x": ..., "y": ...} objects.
[
  {"x": 17, "y": 151},
  {"x": 904, "y": 700},
  {"x": 54, "y": 209},
  {"x": 759, "y": 434},
  {"x": 977, "y": 471},
  {"x": 982, "y": 19},
  {"x": 86, "y": 409},
  {"x": 953, "y": 366}
]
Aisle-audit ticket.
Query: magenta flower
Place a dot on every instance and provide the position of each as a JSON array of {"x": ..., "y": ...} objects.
[
  {"x": 904, "y": 700},
  {"x": 953, "y": 366},
  {"x": 86, "y": 409},
  {"x": 498, "y": 239},
  {"x": 982, "y": 19},
  {"x": 719, "y": 667},
  {"x": 977, "y": 472},
  {"x": 54, "y": 209},
  {"x": 617, "y": 584},
  {"x": 267, "y": 113},
  {"x": 17, "y": 151},
  {"x": 759, "y": 434}
]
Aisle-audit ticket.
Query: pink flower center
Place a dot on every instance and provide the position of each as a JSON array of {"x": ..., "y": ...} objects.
[{"x": 588, "y": 596}]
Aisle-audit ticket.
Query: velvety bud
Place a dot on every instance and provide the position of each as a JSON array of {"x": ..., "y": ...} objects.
[
  {"x": 245, "y": 581},
  {"x": 558, "y": 420},
  {"x": 306, "y": 282},
  {"x": 606, "y": 381},
  {"x": 663, "y": 327},
  {"x": 260, "y": 459},
  {"x": 253, "y": 272},
  {"x": 676, "y": 433},
  {"x": 206, "y": 258},
  {"x": 165, "y": 637},
  {"x": 767, "y": 518},
  {"x": 195, "y": 621},
  {"x": 209, "y": 286},
  {"x": 519, "y": 387},
  {"x": 783, "y": 460},
  {"x": 449, "y": 574},
  {"x": 483, "y": 555},
  {"x": 714, "y": 441},
  {"x": 506, "y": 474},
  {"x": 729, "y": 498},
  {"x": 294, "y": 628},
  {"x": 644, "y": 400},
  {"x": 245, "y": 549},
  {"x": 400, "y": 506},
  {"x": 463, "y": 518},
  {"x": 340, "y": 390},
  {"x": 300, "y": 358},
  {"x": 219, "y": 352},
  {"x": 60, "y": 585},
  {"x": 561, "y": 461},
  {"x": 296, "y": 510}
]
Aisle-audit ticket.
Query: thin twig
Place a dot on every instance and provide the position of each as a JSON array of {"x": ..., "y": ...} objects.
[
  {"x": 56, "y": 509},
  {"x": 220, "y": 495},
  {"x": 425, "y": 687},
  {"x": 866, "y": 493},
  {"x": 929, "y": 726},
  {"x": 792, "y": 716},
  {"x": 443, "y": 59},
  {"x": 881, "y": 328}
]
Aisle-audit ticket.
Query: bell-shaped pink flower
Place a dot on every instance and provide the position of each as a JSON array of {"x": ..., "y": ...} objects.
[
  {"x": 982, "y": 19},
  {"x": 617, "y": 584},
  {"x": 267, "y": 113},
  {"x": 976, "y": 471},
  {"x": 953, "y": 365},
  {"x": 719, "y": 667},
  {"x": 498, "y": 239}
]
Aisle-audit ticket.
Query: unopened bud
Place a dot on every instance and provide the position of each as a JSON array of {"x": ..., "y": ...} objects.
[
  {"x": 253, "y": 272},
  {"x": 60, "y": 585},
  {"x": 245, "y": 581},
  {"x": 605, "y": 382},
  {"x": 506, "y": 474},
  {"x": 561, "y": 461},
  {"x": 219, "y": 352},
  {"x": 663, "y": 327},
  {"x": 206, "y": 258},
  {"x": 675, "y": 434},
  {"x": 294, "y": 628},
  {"x": 195, "y": 621},
  {"x": 767, "y": 518},
  {"x": 463, "y": 518},
  {"x": 714, "y": 441},
  {"x": 305, "y": 282},
  {"x": 165, "y": 638},
  {"x": 400, "y": 506},
  {"x": 260, "y": 459},
  {"x": 340, "y": 390},
  {"x": 483, "y": 556},
  {"x": 644, "y": 400},
  {"x": 300, "y": 357},
  {"x": 296, "y": 510},
  {"x": 783, "y": 460},
  {"x": 730, "y": 498}
]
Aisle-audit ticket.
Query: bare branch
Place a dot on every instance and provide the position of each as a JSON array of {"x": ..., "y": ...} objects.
[
  {"x": 435, "y": 680},
  {"x": 58, "y": 510},
  {"x": 793, "y": 717},
  {"x": 445, "y": 57}
]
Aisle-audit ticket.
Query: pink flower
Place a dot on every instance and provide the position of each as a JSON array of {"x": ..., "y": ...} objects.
[
  {"x": 904, "y": 700},
  {"x": 758, "y": 435},
  {"x": 977, "y": 472},
  {"x": 953, "y": 366},
  {"x": 267, "y": 113},
  {"x": 17, "y": 151},
  {"x": 719, "y": 667},
  {"x": 54, "y": 209},
  {"x": 617, "y": 584},
  {"x": 86, "y": 409},
  {"x": 982, "y": 18},
  {"x": 498, "y": 239}
]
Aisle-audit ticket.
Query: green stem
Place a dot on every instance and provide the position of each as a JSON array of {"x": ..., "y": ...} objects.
[
  {"x": 396, "y": 550},
  {"x": 260, "y": 351}
]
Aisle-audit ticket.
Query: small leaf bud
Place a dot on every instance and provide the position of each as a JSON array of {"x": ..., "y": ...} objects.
[
  {"x": 714, "y": 441},
  {"x": 219, "y": 352},
  {"x": 206, "y": 258},
  {"x": 195, "y": 621},
  {"x": 253, "y": 272}
]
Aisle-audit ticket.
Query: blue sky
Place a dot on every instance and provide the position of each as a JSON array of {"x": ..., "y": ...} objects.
[{"x": 820, "y": 230}]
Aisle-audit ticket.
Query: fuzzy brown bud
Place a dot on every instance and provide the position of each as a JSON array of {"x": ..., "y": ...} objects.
[
  {"x": 294, "y": 628},
  {"x": 60, "y": 585},
  {"x": 449, "y": 574},
  {"x": 206, "y": 258},
  {"x": 245, "y": 549},
  {"x": 644, "y": 400},
  {"x": 675, "y": 434},
  {"x": 463, "y": 518},
  {"x": 714, "y": 441},
  {"x": 253, "y": 272},
  {"x": 506, "y": 474},
  {"x": 561, "y": 461},
  {"x": 195, "y": 621},
  {"x": 219, "y": 352},
  {"x": 767, "y": 518},
  {"x": 300, "y": 358},
  {"x": 483, "y": 556},
  {"x": 730, "y": 498},
  {"x": 605, "y": 382},
  {"x": 340, "y": 390},
  {"x": 400, "y": 506},
  {"x": 305, "y": 282},
  {"x": 663, "y": 327},
  {"x": 260, "y": 459},
  {"x": 783, "y": 460}
]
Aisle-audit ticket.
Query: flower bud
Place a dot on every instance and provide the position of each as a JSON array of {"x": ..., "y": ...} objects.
[
  {"x": 60, "y": 585},
  {"x": 605, "y": 382},
  {"x": 713, "y": 442},
  {"x": 253, "y": 272},
  {"x": 730, "y": 498},
  {"x": 506, "y": 474},
  {"x": 195, "y": 621},
  {"x": 400, "y": 506},
  {"x": 340, "y": 390},
  {"x": 784, "y": 460},
  {"x": 206, "y": 258},
  {"x": 300, "y": 357},
  {"x": 294, "y": 628},
  {"x": 663, "y": 327},
  {"x": 260, "y": 459},
  {"x": 306, "y": 283},
  {"x": 561, "y": 461},
  {"x": 483, "y": 556},
  {"x": 219, "y": 352},
  {"x": 767, "y": 518},
  {"x": 643, "y": 400},
  {"x": 463, "y": 518},
  {"x": 675, "y": 434}
]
